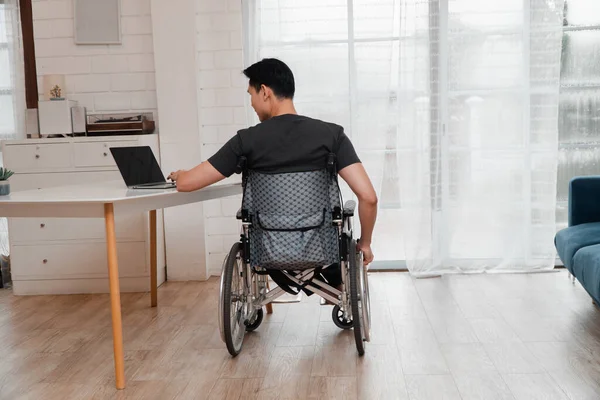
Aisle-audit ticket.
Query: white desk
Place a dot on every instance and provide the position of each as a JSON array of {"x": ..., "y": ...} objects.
[{"x": 103, "y": 201}]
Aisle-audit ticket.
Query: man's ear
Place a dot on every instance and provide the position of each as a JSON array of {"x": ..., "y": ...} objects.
[{"x": 266, "y": 92}]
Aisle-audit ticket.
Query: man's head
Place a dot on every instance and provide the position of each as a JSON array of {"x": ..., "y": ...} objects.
[{"x": 271, "y": 85}]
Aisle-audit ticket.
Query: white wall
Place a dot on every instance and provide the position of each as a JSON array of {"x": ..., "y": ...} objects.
[
  {"x": 181, "y": 145},
  {"x": 201, "y": 92},
  {"x": 103, "y": 78},
  {"x": 222, "y": 91},
  {"x": 189, "y": 73}
]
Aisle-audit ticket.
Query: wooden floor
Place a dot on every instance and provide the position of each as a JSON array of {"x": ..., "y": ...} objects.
[{"x": 530, "y": 336}]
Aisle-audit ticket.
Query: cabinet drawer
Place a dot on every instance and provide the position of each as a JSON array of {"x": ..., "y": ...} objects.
[
  {"x": 83, "y": 260},
  {"x": 129, "y": 226},
  {"x": 97, "y": 154},
  {"x": 38, "y": 157},
  {"x": 41, "y": 181}
]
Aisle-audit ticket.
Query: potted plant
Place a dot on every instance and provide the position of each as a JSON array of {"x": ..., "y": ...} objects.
[{"x": 4, "y": 183}]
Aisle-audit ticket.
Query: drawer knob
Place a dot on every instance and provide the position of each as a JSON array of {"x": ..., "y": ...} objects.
[
  {"x": 45, "y": 261},
  {"x": 37, "y": 156},
  {"x": 42, "y": 225}
]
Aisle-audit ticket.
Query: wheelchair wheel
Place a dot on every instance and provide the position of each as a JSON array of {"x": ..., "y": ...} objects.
[
  {"x": 338, "y": 318},
  {"x": 232, "y": 306},
  {"x": 258, "y": 318},
  {"x": 359, "y": 299}
]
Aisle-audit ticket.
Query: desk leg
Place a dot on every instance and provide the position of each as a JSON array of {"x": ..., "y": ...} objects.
[
  {"x": 153, "y": 263},
  {"x": 270, "y": 305},
  {"x": 115, "y": 295}
]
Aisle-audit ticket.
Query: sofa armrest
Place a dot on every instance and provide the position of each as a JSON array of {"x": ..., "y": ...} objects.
[{"x": 584, "y": 200}]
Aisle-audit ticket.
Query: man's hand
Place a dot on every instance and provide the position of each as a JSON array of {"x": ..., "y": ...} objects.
[
  {"x": 175, "y": 175},
  {"x": 196, "y": 178},
  {"x": 367, "y": 252}
]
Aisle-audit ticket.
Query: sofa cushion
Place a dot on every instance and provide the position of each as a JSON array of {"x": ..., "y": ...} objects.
[
  {"x": 569, "y": 240},
  {"x": 587, "y": 269}
]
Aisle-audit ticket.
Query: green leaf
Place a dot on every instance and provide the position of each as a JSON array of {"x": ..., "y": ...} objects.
[{"x": 5, "y": 173}]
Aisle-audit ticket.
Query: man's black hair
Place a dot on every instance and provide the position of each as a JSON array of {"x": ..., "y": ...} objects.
[{"x": 273, "y": 73}]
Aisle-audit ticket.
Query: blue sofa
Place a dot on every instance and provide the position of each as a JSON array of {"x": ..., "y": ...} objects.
[{"x": 578, "y": 245}]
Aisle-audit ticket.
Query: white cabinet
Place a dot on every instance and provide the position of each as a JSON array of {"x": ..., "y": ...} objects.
[
  {"x": 68, "y": 255},
  {"x": 37, "y": 157},
  {"x": 96, "y": 154}
]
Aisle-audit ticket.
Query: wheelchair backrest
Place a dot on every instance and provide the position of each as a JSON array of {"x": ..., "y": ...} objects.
[{"x": 291, "y": 215}]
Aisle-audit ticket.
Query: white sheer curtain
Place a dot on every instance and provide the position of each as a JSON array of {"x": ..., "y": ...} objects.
[
  {"x": 12, "y": 87},
  {"x": 484, "y": 198},
  {"x": 345, "y": 58},
  {"x": 453, "y": 108},
  {"x": 12, "y": 84}
]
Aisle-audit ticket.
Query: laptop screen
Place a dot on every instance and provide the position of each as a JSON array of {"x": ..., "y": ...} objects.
[{"x": 137, "y": 165}]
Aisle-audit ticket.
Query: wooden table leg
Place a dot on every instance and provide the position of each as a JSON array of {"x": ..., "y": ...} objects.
[
  {"x": 115, "y": 294},
  {"x": 153, "y": 263}
]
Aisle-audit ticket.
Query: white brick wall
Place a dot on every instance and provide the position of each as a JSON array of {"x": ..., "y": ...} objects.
[
  {"x": 222, "y": 90},
  {"x": 103, "y": 78},
  {"x": 116, "y": 78}
]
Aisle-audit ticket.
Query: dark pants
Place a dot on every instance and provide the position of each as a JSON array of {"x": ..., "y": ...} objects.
[{"x": 331, "y": 275}]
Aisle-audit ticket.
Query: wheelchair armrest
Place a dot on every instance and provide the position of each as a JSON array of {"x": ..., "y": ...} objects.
[
  {"x": 243, "y": 215},
  {"x": 349, "y": 208}
]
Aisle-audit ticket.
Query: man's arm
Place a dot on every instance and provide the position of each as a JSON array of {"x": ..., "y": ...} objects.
[
  {"x": 196, "y": 178},
  {"x": 219, "y": 166},
  {"x": 358, "y": 180}
]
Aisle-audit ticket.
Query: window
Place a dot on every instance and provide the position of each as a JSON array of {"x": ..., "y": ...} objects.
[
  {"x": 579, "y": 110},
  {"x": 6, "y": 103},
  {"x": 9, "y": 30},
  {"x": 10, "y": 73},
  {"x": 344, "y": 57},
  {"x": 452, "y": 106}
]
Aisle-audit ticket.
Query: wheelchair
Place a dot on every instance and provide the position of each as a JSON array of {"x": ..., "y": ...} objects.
[{"x": 293, "y": 225}]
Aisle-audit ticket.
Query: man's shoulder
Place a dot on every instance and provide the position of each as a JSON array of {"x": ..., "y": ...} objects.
[
  {"x": 287, "y": 118},
  {"x": 243, "y": 134},
  {"x": 326, "y": 124},
  {"x": 273, "y": 124}
]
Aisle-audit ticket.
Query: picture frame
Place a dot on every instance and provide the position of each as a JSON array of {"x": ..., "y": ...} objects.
[{"x": 97, "y": 22}]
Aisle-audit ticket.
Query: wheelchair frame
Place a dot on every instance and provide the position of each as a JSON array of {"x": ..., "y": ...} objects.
[{"x": 241, "y": 311}]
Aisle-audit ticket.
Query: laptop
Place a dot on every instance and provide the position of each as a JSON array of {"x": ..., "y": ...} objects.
[{"x": 139, "y": 168}]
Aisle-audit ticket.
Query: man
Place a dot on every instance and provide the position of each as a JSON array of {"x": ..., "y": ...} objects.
[{"x": 287, "y": 142}]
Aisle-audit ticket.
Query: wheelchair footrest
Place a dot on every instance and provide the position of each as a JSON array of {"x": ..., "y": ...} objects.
[{"x": 288, "y": 298}]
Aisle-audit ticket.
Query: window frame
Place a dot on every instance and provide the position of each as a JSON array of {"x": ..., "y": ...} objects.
[
  {"x": 441, "y": 93},
  {"x": 580, "y": 86},
  {"x": 4, "y": 91},
  {"x": 28, "y": 48}
]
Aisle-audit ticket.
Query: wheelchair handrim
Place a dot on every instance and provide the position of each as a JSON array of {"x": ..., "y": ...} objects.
[
  {"x": 232, "y": 300},
  {"x": 221, "y": 300},
  {"x": 238, "y": 309},
  {"x": 365, "y": 302}
]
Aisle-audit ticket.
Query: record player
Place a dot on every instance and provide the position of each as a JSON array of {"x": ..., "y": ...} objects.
[{"x": 120, "y": 124}]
